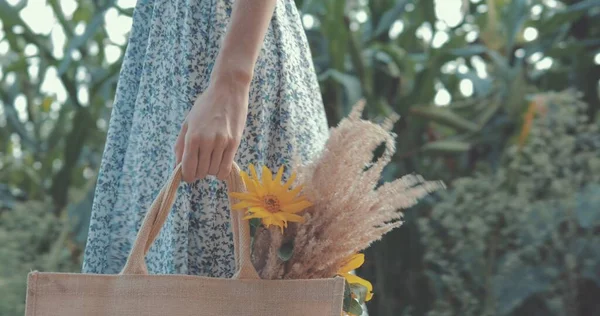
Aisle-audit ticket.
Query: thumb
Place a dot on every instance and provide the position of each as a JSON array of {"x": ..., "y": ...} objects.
[{"x": 180, "y": 143}]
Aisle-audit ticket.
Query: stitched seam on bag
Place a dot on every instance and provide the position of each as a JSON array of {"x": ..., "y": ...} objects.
[
  {"x": 334, "y": 304},
  {"x": 35, "y": 293},
  {"x": 333, "y": 301}
]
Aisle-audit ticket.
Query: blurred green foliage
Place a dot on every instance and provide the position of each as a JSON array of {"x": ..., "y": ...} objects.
[
  {"x": 32, "y": 238},
  {"x": 514, "y": 234},
  {"x": 522, "y": 239}
]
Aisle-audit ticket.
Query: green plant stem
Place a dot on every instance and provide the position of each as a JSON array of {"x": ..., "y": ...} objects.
[{"x": 489, "y": 303}]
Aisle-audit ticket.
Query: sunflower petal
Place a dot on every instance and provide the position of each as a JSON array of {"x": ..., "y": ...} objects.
[
  {"x": 296, "y": 190},
  {"x": 353, "y": 263},
  {"x": 280, "y": 221},
  {"x": 249, "y": 216},
  {"x": 248, "y": 182},
  {"x": 289, "y": 182},
  {"x": 260, "y": 189},
  {"x": 271, "y": 220},
  {"x": 277, "y": 187},
  {"x": 292, "y": 217},
  {"x": 267, "y": 178},
  {"x": 278, "y": 176},
  {"x": 278, "y": 216},
  {"x": 291, "y": 195},
  {"x": 243, "y": 205},
  {"x": 296, "y": 207},
  {"x": 253, "y": 172},
  {"x": 259, "y": 212}
]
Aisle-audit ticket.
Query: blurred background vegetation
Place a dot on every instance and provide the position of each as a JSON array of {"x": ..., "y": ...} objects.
[{"x": 499, "y": 98}]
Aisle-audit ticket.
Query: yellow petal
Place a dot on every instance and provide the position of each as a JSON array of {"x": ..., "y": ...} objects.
[
  {"x": 353, "y": 279},
  {"x": 280, "y": 221},
  {"x": 267, "y": 178},
  {"x": 278, "y": 176},
  {"x": 276, "y": 191},
  {"x": 278, "y": 216},
  {"x": 292, "y": 217},
  {"x": 248, "y": 182},
  {"x": 243, "y": 205},
  {"x": 295, "y": 191},
  {"x": 289, "y": 182},
  {"x": 260, "y": 189},
  {"x": 249, "y": 216},
  {"x": 267, "y": 221},
  {"x": 285, "y": 196},
  {"x": 276, "y": 186},
  {"x": 258, "y": 213},
  {"x": 291, "y": 195},
  {"x": 253, "y": 172},
  {"x": 296, "y": 207},
  {"x": 353, "y": 263}
]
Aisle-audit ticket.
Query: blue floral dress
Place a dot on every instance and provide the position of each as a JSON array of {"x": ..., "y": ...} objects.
[{"x": 172, "y": 48}]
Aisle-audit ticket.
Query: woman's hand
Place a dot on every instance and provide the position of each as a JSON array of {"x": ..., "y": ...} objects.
[{"x": 211, "y": 132}]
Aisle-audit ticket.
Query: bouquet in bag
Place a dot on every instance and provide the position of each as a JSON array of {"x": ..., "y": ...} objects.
[{"x": 316, "y": 223}]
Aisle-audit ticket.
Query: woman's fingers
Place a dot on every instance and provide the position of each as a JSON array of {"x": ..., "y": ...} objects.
[
  {"x": 204, "y": 156},
  {"x": 217, "y": 155},
  {"x": 227, "y": 161},
  {"x": 201, "y": 156},
  {"x": 180, "y": 143},
  {"x": 206, "y": 147},
  {"x": 190, "y": 157}
]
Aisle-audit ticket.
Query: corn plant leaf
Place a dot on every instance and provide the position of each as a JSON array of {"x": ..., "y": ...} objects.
[
  {"x": 351, "y": 84},
  {"x": 563, "y": 18},
  {"x": 517, "y": 15},
  {"x": 389, "y": 17},
  {"x": 484, "y": 116},
  {"x": 481, "y": 86},
  {"x": 445, "y": 116},
  {"x": 446, "y": 147},
  {"x": 468, "y": 51}
]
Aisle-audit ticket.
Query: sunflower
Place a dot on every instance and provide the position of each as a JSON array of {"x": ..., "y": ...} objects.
[
  {"x": 351, "y": 264},
  {"x": 272, "y": 201}
]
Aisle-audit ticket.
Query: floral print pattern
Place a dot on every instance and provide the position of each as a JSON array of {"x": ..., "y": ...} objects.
[{"x": 172, "y": 47}]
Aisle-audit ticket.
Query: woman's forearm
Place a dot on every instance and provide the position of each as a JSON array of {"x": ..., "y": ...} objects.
[{"x": 243, "y": 41}]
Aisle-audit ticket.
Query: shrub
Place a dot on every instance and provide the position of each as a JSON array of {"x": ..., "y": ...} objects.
[{"x": 521, "y": 240}]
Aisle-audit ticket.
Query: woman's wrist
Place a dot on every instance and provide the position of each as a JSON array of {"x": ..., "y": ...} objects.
[
  {"x": 232, "y": 66},
  {"x": 231, "y": 76},
  {"x": 233, "y": 82}
]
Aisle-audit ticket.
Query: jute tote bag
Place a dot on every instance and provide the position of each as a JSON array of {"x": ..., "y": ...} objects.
[{"x": 135, "y": 292}]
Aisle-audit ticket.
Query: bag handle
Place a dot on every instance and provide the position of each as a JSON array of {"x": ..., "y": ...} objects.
[{"x": 159, "y": 211}]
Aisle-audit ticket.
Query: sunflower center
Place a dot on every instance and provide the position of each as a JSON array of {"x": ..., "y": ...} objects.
[{"x": 272, "y": 203}]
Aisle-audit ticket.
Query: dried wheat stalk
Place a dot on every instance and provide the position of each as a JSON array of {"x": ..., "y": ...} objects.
[{"x": 349, "y": 211}]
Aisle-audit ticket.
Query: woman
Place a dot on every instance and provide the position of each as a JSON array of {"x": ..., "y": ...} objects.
[{"x": 204, "y": 82}]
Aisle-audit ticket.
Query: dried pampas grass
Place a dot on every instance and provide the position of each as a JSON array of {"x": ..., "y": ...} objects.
[{"x": 349, "y": 210}]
